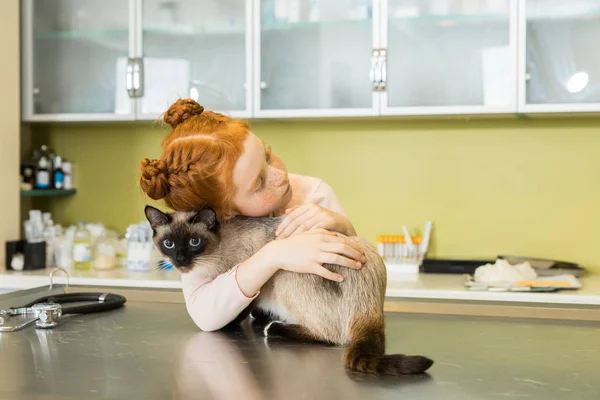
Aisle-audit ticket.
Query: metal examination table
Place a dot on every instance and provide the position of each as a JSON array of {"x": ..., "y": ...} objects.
[{"x": 150, "y": 349}]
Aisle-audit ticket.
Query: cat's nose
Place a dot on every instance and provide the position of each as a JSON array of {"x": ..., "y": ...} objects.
[{"x": 180, "y": 259}]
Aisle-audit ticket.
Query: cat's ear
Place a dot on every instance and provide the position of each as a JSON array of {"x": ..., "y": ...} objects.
[
  {"x": 156, "y": 217},
  {"x": 206, "y": 216}
]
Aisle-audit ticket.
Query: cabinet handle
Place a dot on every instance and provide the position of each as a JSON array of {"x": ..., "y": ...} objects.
[
  {"x": 383, "y": 69},
  {"x": 263, "y": 85},
  {"x": 135, "y": 77},
  {"x": 373, "y": 75},
  {"x": 378, "y": 71},
  {"x": 129, "y": 79}
]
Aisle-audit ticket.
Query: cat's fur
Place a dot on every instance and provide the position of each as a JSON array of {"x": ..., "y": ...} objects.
[{"x": 308, "y": 307}]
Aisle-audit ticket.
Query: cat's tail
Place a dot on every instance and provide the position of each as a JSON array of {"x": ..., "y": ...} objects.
[{"x": 366, "y": 352}]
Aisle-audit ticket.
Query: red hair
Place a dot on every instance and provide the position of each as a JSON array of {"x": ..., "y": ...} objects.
[{"x": 195, "y": 168}]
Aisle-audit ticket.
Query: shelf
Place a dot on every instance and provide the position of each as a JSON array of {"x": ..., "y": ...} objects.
[
  {"x": 195, "y": 30},
  {"x": 81, "y": 34},
  {"x": 279, "y": 26},
  {"x": 558, "y": 14},
  {"x": 177, "y": 30},
  {"x": 48, "y": 192},
  {"x": 444, "y": 20},
  {"x": 114, "y": 40},
  {"x": 452, "y": 19}
]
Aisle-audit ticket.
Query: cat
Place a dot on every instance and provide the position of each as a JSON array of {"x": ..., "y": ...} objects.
[{"x": 308, "y": 307}]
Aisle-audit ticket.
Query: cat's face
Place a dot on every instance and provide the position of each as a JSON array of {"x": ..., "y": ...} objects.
[{"x": 183, "y": 236}]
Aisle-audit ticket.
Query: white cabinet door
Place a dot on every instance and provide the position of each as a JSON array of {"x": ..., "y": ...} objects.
[
  {"x": 198, "y": 49},
  {"x": 71, "y": 53},
  {"x": 560, "y": 56},
  {"x": 313, "y": 58},
  {"x": 450, "y": 57}
]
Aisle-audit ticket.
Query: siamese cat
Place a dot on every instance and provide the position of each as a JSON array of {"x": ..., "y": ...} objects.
[{"x": 306, "y": 307}]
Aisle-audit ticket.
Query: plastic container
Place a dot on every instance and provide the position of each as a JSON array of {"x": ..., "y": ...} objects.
[{"x": 105, "y": 252}]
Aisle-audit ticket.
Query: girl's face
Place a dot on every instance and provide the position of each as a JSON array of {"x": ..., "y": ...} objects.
[{"x": 260, "y": 180}]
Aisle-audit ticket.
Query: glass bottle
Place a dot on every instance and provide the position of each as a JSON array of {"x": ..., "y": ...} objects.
[{"x": 82, "y": 248}]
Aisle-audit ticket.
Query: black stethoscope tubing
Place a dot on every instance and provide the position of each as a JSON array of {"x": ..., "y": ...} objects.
[{"x": 100, "y": 302}]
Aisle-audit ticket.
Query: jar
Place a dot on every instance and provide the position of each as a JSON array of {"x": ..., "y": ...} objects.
[{"x": 105, "y": 252}]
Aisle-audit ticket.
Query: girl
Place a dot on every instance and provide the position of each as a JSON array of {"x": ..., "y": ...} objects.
[{"x": 211, "y": 160}]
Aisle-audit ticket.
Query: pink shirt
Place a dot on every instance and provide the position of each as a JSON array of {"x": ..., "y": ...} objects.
[{"x": 213, "y": 303}]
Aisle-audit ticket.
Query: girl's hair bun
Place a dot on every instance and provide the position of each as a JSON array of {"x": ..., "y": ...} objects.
[
  {"x": 155, "y": 178},
  {"x": 181, "y": 110}
]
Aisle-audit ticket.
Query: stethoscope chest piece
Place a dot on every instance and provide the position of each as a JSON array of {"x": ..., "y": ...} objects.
[
  {"x": 49, "y": 309},
  {"x": 47, "y": 314}
]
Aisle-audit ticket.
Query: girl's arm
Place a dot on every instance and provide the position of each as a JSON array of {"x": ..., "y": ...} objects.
[
  {"x": 212, "y": 304},
  {"x": 303, "y": 254}
]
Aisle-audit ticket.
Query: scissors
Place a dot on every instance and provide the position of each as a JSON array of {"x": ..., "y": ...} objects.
[{"x": 47, "y": 310}]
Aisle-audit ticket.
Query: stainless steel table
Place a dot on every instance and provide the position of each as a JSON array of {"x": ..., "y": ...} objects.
[{"x": 153, "y": 350}]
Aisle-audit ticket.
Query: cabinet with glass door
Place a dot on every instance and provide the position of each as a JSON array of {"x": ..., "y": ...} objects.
[
  {"x": 559, "y": 47},
  {"x": 198, "y": 49},
  {"x": 91, "y": 60},
  {"x": 313, "y": 58},
  {"x": 71, "y": 52},
  {"x": 449, "y": 56}
]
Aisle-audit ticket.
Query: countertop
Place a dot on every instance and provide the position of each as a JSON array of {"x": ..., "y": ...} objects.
[
  {"x": 150, "y": 350},
  {"x": 422, "y": 286}
]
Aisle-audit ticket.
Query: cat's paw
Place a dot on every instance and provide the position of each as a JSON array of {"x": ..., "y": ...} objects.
[
  {"x": 274, "y": 329},
  {"x": 261, "y": 316}
]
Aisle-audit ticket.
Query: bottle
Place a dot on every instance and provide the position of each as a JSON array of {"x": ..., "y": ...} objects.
[
  {"x": 47, "y": 154},
  {"x": 44, "y": 151},
  {"x": 67, "y": 168},
  {"x": 27, "y": 177},
  {"x": 59, "y": 174},
  {"x": 82, "y": 248},
  {"x": 33, "y": 165},
  {"x": 105, "y": 251},
  {"x": 62, "y": 249},
  {"x": 42, "y": 175},
  {"x": 51, "y": 166},
  {"x": 49, "y": 234}
]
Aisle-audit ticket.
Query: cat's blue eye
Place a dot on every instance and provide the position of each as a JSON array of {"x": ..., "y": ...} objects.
[
  {"x": 194, "y": 242},
  {"x": 168, "y": 244}
]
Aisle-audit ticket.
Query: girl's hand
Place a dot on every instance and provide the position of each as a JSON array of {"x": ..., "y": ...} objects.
[
  {"x": 312, "y": 216},
  {"x": 306, "y": 252}
]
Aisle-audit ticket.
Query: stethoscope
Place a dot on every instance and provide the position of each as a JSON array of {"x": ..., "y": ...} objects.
[{"x": 47, "y": 310}]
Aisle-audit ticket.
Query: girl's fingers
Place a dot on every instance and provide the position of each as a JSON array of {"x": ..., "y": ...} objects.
[
  {"x": 289, "y": 210},
  {"x": 306, "y": 223},
  {"x": 292, "y": 222},
  {"x": 336, "y": 259},
  {"x": 325, "y": 273},
  {"x": 324, "y": 232},
  {"x": 347, "y": 250},
  {"x": 290, "y": 218}
]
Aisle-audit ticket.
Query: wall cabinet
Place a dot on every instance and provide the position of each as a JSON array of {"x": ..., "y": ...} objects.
[
  {"x": 559, "y": 57},
  {"x": 313, "y": 58},
  {"x": 91, "y": 60},
  {"x": 70, "y": 53}
]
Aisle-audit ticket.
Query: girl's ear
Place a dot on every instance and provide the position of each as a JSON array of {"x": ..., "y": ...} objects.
[{"x": 227, "y": 216}]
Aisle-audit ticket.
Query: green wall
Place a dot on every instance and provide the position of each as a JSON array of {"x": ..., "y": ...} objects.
[{"x": 527, "y": 187}]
